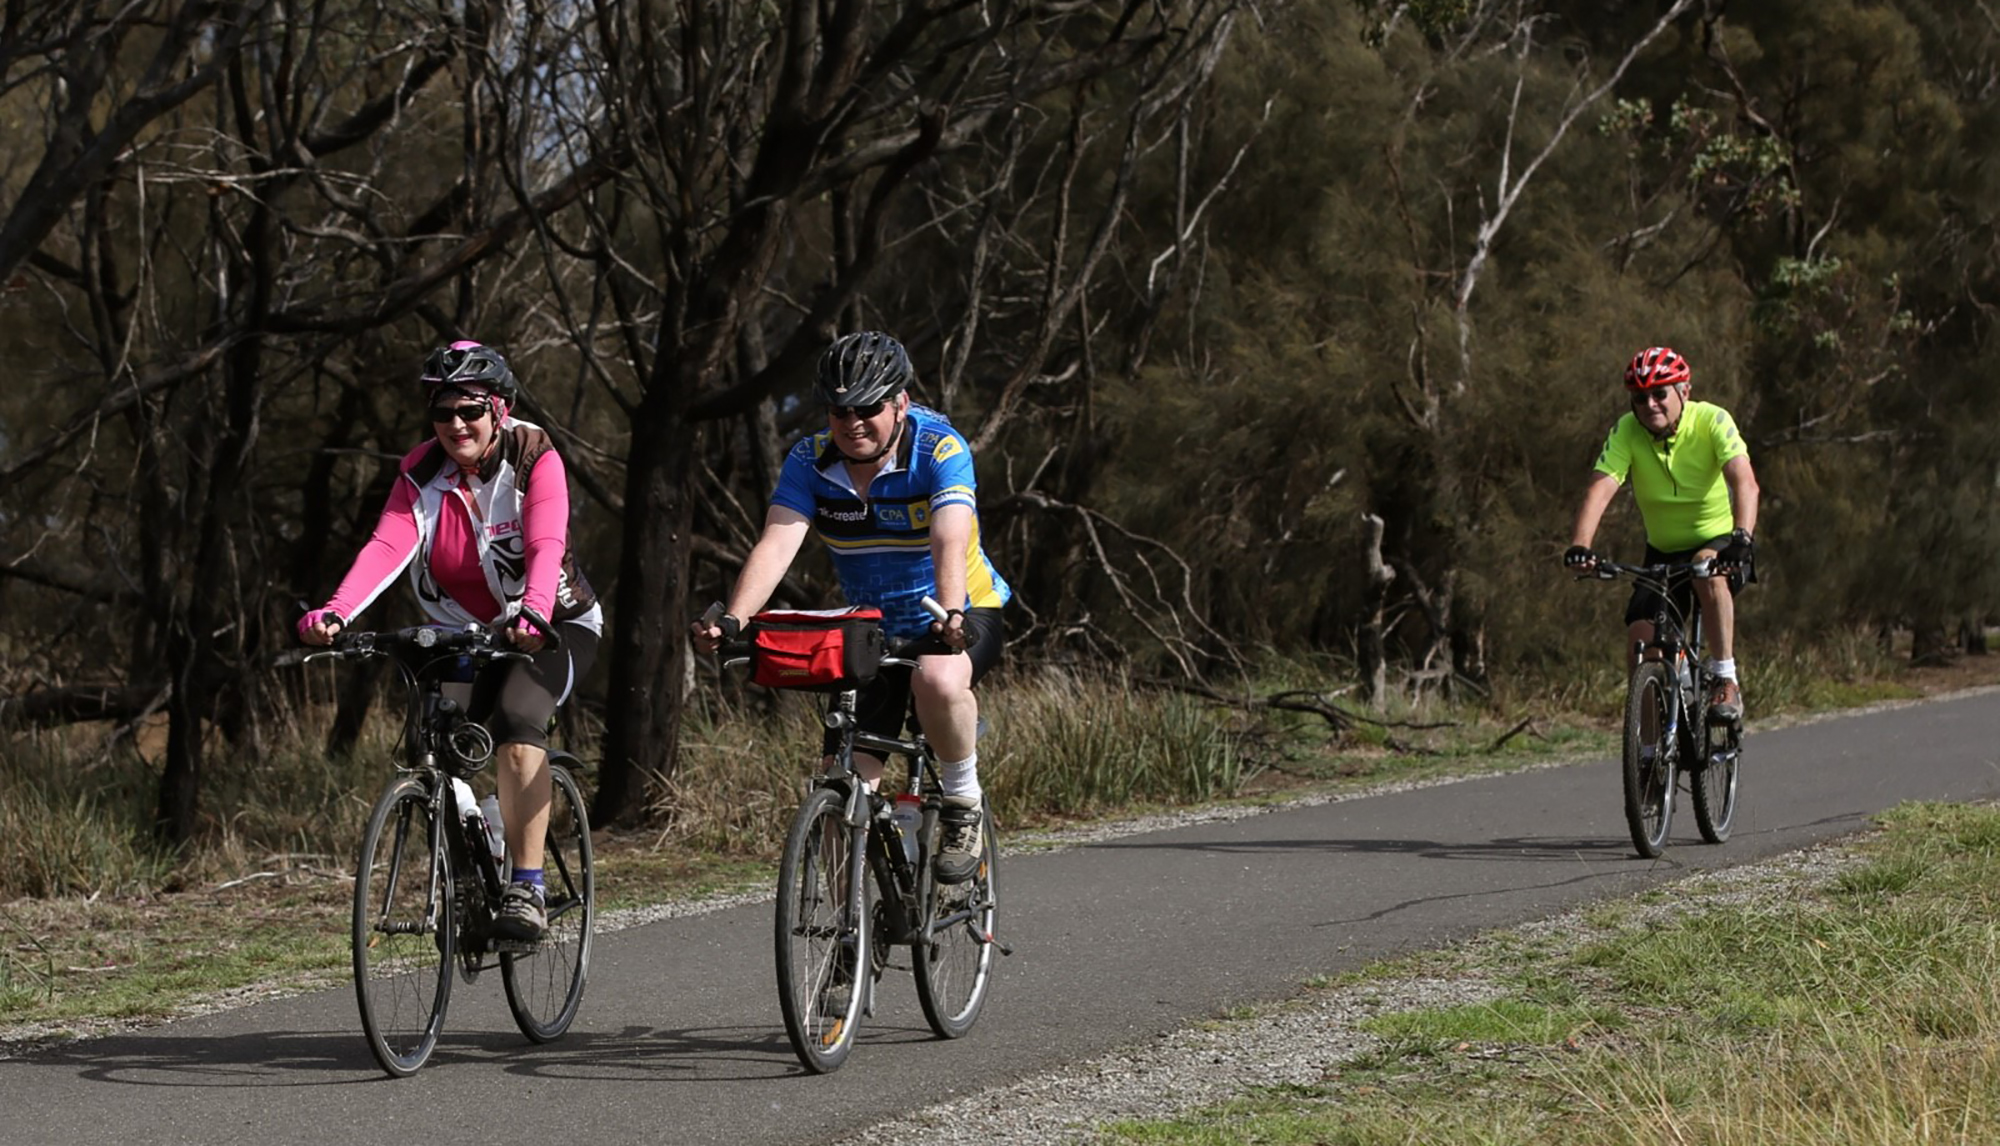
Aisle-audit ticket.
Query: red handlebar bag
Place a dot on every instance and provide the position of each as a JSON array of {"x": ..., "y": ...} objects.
[{"x": 822, "y": 650}]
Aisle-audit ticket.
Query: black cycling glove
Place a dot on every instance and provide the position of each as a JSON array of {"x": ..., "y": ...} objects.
[
  {"x": 1738, "y": 551},
  {"x": 1579, "y": 557}
]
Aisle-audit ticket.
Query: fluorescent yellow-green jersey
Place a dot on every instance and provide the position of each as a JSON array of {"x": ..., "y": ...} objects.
[{"x": 1677, "y": 480}]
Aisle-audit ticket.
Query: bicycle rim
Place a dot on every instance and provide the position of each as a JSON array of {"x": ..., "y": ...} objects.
[
  {"x": 545, "y": 987},
  {"x": 402, "y": 936},
  {"x": 821, "y": 933},
  {"x": 1649, "y": 761},
  {"x": 1715, "y": 790},
  {"x": 955, "y": 968}
]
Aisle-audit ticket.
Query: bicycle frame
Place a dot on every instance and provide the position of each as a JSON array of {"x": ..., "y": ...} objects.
[
  {"x": 1677, "y": 634},
  {"x": 833, "y": 936},
  {"x": 431, "y": 723}
]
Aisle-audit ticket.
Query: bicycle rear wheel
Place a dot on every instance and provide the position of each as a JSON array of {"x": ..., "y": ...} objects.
[
  {"x": 955, "y": 968},
  {"x": 822, "y": 932},
  {"x": 1649, "y": 759},
  {"x": 1715, "y": 786},
  {"x": 545, "y": 986},
  {"x": 403, "y": 938}
]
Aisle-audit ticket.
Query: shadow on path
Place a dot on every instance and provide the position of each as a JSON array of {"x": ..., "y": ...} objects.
[{"x": 327, "y": 1058}]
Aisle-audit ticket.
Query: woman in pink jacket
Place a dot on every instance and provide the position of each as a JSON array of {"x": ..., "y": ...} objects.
[{"x": 480, "y": 519}]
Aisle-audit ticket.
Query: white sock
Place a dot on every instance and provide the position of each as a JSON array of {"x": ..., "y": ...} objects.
[
  {"x": 961, "y": 777},
  {"x": 1724, "y": 669}
]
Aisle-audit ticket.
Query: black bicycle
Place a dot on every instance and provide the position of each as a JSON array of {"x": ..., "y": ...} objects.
[
  {"x": 1667, "y": 729},
  {"x": 427, "y": 884},
  {"x": 855, "y": 883}
]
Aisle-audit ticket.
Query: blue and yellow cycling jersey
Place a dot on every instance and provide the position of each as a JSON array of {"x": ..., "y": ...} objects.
[{"x": 881, "y": 544}]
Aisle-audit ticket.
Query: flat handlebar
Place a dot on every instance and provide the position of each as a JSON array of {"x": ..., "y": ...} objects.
[{"x": 1606, "y": 569}]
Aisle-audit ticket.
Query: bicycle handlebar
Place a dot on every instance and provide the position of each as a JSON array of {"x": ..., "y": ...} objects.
[
  {"x": 735, "y": 650},
  {"x": 417, "y": 642},
  {"x": 1606, "y": 569}
]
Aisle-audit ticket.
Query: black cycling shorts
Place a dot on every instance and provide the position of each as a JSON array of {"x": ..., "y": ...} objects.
[
  {"x": 1645, "y": 602},
  {"x": 881, "y": 706},
  {"x": 515, "y": 700}
]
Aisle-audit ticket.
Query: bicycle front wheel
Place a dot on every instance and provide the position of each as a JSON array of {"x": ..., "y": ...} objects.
[
  {"x": 822, "y": 932},
  {"x": 1649, "y": 759},
  {"x": 403, "y": 938},
  {"x": 1715, "y": 786},
  {"x": 545, "y": 986},
  {"x": 954, "y": 966}
]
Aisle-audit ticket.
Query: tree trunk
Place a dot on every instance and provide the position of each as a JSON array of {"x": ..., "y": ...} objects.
[
  {"x": 648, "y": 623},
  {"x": 1930, "y": 642},
  {"x": 1972, "y": 634},
  {"x": 1370, "y": 650}
]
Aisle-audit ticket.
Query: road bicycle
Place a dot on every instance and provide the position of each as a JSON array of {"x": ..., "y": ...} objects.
[
  {"x": 428, "y": 881},
  {"x": 855, "y": 884},
  {"x": 1668, "y": 732}
]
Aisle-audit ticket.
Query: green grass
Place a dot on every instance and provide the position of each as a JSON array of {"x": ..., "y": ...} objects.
[
  {"x": 1502, "y": 1021},
  {"x": 1863, "y": 1012}
]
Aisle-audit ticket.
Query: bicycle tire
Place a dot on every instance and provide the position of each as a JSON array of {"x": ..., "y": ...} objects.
[
  {"x": 1716, "y": 788},
  {"x": 821, "y": 934},
  {"x": 954, "y": 968},
  {"x": 1649, "y": 759},
  {"x": 545, "y": 987},
  {"x": 403, "y": 939}
]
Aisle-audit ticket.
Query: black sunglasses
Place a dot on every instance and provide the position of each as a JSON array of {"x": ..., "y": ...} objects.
[
  {"x": 868, "y": 411},
  {"x": 468, "y": 413}
]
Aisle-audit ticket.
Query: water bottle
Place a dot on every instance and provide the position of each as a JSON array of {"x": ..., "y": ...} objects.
[
  {"x": 461, "y": 794},
  {"x": 1681, "y": 670},
  {"x": 496, "y": 835},
  {"x": 908, "y": 818}
]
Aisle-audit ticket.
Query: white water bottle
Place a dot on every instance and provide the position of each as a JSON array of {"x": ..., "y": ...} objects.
[
  {"x": 496, "y": 835},
  {"x": 461, "y": 794},
  {"x": 908, "y": 817},
  {"x": 1681, "y": 668}
]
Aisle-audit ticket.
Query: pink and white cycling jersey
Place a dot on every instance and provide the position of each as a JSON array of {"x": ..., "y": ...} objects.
[{"x": 489, "y": 543}]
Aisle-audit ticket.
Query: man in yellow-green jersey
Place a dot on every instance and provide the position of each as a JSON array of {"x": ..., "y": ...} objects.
[{"x": 1691, "y": 475}]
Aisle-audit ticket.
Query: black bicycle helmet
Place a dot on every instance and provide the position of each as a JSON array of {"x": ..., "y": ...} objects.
[
  {"x": 472, "y": 364},
  {"x": 864, "y": 368}
]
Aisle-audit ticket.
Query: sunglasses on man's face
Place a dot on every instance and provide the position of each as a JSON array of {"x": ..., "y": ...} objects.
[
  {"x": 469, "y": 413},
  {"x": 868, "y": 411},
  {"x": 1656, "y": 396}
]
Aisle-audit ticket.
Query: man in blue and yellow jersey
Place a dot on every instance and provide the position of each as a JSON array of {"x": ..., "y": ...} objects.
[
  {"x": 1697, "y": 494},
  {"x": 888, "y": 486}
]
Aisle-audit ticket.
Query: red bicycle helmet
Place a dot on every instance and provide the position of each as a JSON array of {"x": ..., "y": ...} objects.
[{"x": 1657, "y": 366}]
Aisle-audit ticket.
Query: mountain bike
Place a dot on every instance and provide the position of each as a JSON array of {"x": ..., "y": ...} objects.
[
  {"x": 855, "y": 883},
  {"x": 428, "y": 881},
  {"x": 1667, "y": 729}
]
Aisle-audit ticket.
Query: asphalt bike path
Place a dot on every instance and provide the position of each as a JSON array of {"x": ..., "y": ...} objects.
[{"x": 680, "y": 1038}]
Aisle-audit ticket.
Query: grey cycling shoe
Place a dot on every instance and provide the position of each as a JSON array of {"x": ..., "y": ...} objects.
[
  {"x": 960, "y": 825},
  {"x": 524, "y": 916}
]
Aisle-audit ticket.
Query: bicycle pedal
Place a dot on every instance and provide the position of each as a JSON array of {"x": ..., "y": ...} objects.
[{"x": 516, "y": 946}]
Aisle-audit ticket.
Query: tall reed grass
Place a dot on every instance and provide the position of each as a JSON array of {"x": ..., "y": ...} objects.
[{"x": 75, "y": 817}]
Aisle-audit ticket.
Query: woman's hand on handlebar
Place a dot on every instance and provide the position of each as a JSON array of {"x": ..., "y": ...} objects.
[
  {"x": 524, "y": 638},
  {"x": 319, "y": 626}
]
